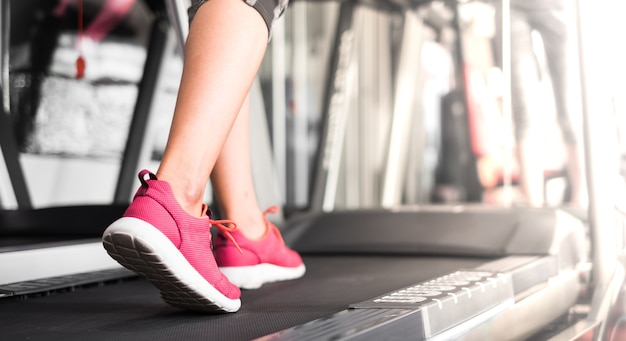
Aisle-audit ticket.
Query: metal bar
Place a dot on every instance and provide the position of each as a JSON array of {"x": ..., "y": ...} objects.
[
  {"x": 299, "y": 158},
  {"x": 333, "y": 108},
  {"x": 599, "y": 143},
  {"x": 279, "y": 111},
  {"x": 8, "y": 142},
  {"x": 5, "y": 22},
  {"x": 137, "y": 131},
  {"x": 507, "y": 110},
  {"x": 403, "y": 108},
  {"x": 179, "y": 19}
]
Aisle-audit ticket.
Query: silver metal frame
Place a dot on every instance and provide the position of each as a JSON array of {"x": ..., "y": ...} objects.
[{"x": 407, "y": 81}]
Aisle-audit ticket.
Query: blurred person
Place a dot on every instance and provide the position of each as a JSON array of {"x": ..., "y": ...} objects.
[{"x": 550, "y": 19}]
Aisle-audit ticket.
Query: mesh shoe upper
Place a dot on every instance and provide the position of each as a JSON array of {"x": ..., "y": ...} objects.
[
  {"x": 270, "y": 249},
  {"x": 155, "y": 204}
]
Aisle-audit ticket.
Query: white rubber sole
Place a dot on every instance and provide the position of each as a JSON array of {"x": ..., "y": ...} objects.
[
  {"x": 140, "y": 247},
  {"x": 254, "y": 276}
]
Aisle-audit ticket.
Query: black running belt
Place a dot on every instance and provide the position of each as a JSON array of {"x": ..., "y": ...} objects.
[
  {"x": 132, "y": 310},
  {"x": 66, "y": 222}
]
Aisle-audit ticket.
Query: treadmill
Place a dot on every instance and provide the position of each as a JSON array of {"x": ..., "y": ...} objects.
[
  {"x": 421, "y": 273},
  {"x": 416, "y": 272}
]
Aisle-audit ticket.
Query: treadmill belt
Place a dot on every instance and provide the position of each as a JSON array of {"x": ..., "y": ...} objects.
[{"x": 132, "y": 310}]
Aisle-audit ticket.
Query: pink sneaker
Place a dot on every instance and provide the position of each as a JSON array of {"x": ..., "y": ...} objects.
[
  {"x": 251, "y": 263},
  {"x": 158, "y": 240}
]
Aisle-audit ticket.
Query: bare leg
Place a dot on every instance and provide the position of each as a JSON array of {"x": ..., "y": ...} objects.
[
  {"x": 255, "y": 253},
  {"x": 214, "y": 84},
  {"x": 531, "y": 171},
  {"x": 232, "y": 179}
]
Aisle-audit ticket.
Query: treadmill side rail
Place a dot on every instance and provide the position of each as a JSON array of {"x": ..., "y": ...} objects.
[
  {"x": 485, "y": 301},
  {"x": 449, "y": 300}
]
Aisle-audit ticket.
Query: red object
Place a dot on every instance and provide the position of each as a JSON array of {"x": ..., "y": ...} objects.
[{"x": 80, "y": 67}]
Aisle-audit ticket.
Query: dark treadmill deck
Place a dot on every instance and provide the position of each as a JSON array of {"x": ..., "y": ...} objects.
[
  {"x": 529, "y": 259},
  {"x": 132, "y": 309}
]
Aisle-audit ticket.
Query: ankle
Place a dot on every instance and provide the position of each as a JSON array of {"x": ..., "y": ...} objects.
[
  {"x": 190, "y": 203},
  {"x": 188, "y": 196},
  {"x": 252, "y": 226}
]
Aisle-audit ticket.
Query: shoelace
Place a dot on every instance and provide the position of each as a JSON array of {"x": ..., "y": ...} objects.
[
  {"x": 268, "y": 225},
  {"x": 226, "y": 226}
]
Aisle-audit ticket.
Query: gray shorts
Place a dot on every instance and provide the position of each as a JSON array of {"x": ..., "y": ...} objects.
[{"x": 270, "y": 10}]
